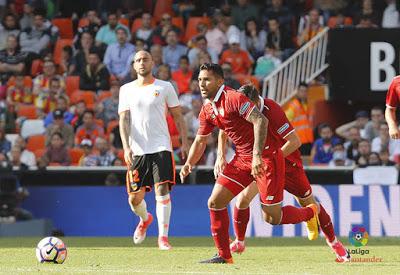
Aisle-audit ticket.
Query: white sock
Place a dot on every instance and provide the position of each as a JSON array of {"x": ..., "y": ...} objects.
[
  {"x": 141, "y": 210},
  {"x": 163, "y": 210}
]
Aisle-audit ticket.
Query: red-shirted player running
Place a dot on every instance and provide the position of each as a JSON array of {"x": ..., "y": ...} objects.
[
  {"x": 254, "y": 160},
  {"x": 392, "y": 101},
  {"x": 296, "y": 183}
]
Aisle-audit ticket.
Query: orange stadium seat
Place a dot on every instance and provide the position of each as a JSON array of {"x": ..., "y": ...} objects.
[
  {"x": 39, "y": 153},
  {"x": 103, "y": 95},
  {"x": 178, "y": 21},
  {"x": 75, "y": 154},
  {"x": 124, "y": 21},
  {"x": 137, "y": 23},
  {"x": 88, "y": 96},
  {"x": 36, "y": 142},
  {"x": 332, "y": 21},
  {"x": 27, "y": 111},
  {"x": 27, "y": 81},
  {"x": 60, "y": 44},
  {"x": 191, "y": 27},
  {"x": 72, "y": 84},
  {"x": 65, "y": 27},
  {"x": 83, "y": 22},
  {"x": 161, "y": 7}
]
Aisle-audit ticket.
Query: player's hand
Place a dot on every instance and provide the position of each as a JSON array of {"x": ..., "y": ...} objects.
[
  {"x": 128, "y": 156},
  {"x": 257, "y": 166},
  {"x": 394, "y": 132},
  {"x": 186, "y": 170},
  {"x": 185, "y": 149},
  {"x": 219, "y": 166}
]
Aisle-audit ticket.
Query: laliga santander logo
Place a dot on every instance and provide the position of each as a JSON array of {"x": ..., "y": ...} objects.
[{"x": 358, "y": 236}]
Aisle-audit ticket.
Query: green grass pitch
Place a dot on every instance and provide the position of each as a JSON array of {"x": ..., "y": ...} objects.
[{"x": 263, "y": 256}]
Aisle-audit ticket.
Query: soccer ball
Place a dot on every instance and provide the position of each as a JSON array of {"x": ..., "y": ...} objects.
[
  {"x": 51, "y": 250},
  {"x": 358, "y": 236}
]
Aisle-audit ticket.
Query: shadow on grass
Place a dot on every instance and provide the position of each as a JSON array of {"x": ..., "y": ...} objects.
[{"x": 94, "y": 242}]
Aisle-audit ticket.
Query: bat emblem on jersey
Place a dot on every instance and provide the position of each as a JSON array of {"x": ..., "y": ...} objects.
[{"x": 156, "y": 93}]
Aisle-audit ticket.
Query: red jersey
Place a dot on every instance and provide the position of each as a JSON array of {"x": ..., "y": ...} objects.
[
  {"x": 393, "y": 94},
  {"x": 279, "y": 127}
]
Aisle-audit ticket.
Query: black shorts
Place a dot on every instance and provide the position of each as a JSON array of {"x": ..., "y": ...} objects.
[{"x": 150, "y": 169}]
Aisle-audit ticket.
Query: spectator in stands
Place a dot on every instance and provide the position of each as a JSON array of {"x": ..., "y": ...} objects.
[
  {"x": 106, "y": 157},
  {"x": 229, "y": 80},
  {"x": 93, "y": 26},
  {"x": 117, "y": 162},
  {"x": 242, "y": 11},
  {"x": 107, "y": 110},
  {"x": 280, "y": 13},
  {"x": 164, "y": 73},
  {"x": 300, "y": 115},
  {"x": 361, "y": 120},
  {"x": 8, "y": 27},
  {"x": 156, "y": 52},
  {"x": 117, "y": 54},
  {"x": 384, "y": 156},
  {"x": 115, "y": 138},
  {"x": 372, "y": 128},
  {"x": 238, "y": 58},
  {"x": 95, "y": 77},
  {"x": 56, "y": 152},
  {"x": 311, "y": 27},
  {"x": 253, "y": 38},
  {"x": 88, "y": 158},
  {"x": 278, "y": 39},
  {"x": 5, "y": 145},
  {"x": 62, "y": 104},
  {"x": 19, "y": 93},
  {"x": 89, "y": 129},
  {"x": 67, "y": 64},
  {"x": 374, "y": 159},
  {"x": 27, "y": 18},
  {"x": 186, "y": 98},
  {"x": 82, "y": 55},
  {"x": 364, "y": 149},
  {"x": 60, "y": 126},
  {"x": 173, "y": 51},
  {"x": 146, "y": 30},
  {"x": 41, "y": 83},
  {"x": 80, "y": 108},
  {"x": 36, "y": 38},
  {"x": 160, "y": 33},
  {"x": 46, "y": 101},
  {"x": 351, "y": 144},
  {"x": 330, "y": 7},
  {"x": 391, "y": 17},
  {"x": 202, "y": 57},
  {"x": 216, "y": 37},
  {"x": 14, "y": 157},
  {"x": 229, "y": 29},
  {"x": 366, "y": 8},
  {"x": 366, "y": 23},
  {"x": 11, "y": 59},
  {"x": 267, "y": 63},
  {"x": 107, "y": 34},
  {"x": 191, "y": 118},
  {"x": 27, "y": 157},
  {"x": 8, "y": 117},
  {"x": 322, "y": 150},
  {"x": 201, "y": 45},
  {"x": 339, "y": 157},
  {"x": 183, "y": 75},
  {"x": 383, "y": 141}
]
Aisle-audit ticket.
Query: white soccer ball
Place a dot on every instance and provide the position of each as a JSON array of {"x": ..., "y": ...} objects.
[{"x": 51, "y": 250}]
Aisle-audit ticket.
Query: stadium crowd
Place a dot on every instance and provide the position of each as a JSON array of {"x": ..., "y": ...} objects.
[{"x": 66, "y": 68}]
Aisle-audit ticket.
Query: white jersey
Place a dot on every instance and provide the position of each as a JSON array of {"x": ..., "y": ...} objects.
[{"x": 148, "y": 108}]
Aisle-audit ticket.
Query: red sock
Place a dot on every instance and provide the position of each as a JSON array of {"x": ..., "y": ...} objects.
[
  {"x": 293, "y": 215},
  {"x": 240, "y": 220},
  {"x": 220, "y": 231},
  {"x": 326, "y": 224}
]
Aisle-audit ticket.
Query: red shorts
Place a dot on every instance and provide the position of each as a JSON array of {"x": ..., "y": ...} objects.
[
  {"x": 296, "y": 181},
  {"x": 237, "y": 176}
]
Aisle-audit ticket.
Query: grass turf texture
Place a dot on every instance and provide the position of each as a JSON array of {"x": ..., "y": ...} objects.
[{"x": 263, "y": 256}]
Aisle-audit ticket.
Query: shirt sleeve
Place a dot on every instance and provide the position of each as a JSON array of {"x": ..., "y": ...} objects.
[
  {"x": 123, "y": 104},
  {"x": 278, "y": 119},
  {"x": 241, "y": 105},
  {"x": 392, "y": 98},
  {"x": 172, "y": 98},
  {"x": 205, "y": 127}
]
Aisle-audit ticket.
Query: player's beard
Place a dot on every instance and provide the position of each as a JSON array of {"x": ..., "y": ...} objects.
[{"x": 144, "y": 73}]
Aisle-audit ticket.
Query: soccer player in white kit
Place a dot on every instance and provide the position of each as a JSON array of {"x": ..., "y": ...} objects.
[{"x": 143, "y": 105}]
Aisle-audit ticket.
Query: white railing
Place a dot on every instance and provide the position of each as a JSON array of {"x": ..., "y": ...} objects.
[{"x": 303, "y": 66}]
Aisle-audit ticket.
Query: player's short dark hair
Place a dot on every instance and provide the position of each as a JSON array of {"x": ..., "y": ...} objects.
[
  {"x": 215, "y": 68},
  {"x": 249, "y": 91}
]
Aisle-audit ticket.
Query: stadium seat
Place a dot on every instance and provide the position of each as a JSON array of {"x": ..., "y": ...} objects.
[
  {"x": 72, "y": 84},
  {"x": 36, "y": 142},
  {"x": 161, "y": 7},
  {"x": 75, "y": 154},
  {"x": 36, "y": 67},
  {"x": 27, "y": 81},
  {"x": 248, "y": 79},
  {"x": 83, "y": 22},
  {"x": 348, "y": 21},
  {"x": 27, "y": 111},
  {"x": 99, "y": 123},
  {"x": 65, "y": 27},
  {"x": 32, "y": 127},
  {"x": 137, "y": 23},
  {"x": 60, "y": 44},
  {"x": 103, "y": 95},
  {"x": 178, "y": 21},
  {"x": 39, "y": 153},
  {"x": 191, "y": 27},
  {"x": 124, "y": 21}
]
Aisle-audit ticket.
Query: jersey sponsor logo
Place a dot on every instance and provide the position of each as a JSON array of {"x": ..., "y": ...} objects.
[
  {"x": 244, "y": 108},
  {"x": 156, "y": 93},
  {"x": 270, "y": 198},
  {"x": 283, "y": 128}
]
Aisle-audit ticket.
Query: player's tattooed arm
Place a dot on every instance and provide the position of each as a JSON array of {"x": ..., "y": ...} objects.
[
  {"x": 125, "y": 129},
  {"x": 260, "y": 123}
]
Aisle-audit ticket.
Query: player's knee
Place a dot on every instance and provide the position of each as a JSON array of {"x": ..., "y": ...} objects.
[
  {"x": 272, "y": 216},
  {"x": 242, "y": 202},
  {"x": 161, "y": 189},
  {"x": 213, "y": 203},
  {"x": 134, "y": 201}
]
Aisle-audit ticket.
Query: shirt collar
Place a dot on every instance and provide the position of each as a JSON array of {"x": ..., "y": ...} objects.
[{"x": 219, "y": 93}]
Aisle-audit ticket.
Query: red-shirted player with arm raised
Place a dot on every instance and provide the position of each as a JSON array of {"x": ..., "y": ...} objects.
[
  {"x": 296, "y": 182},
  {"x": 254, "y": 160},
  {"x": 392, "y": 101}
]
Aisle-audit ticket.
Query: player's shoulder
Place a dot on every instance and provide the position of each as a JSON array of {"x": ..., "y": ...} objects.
[
  {"x": 162, "y": 83},
  {"x": 233, "y": 94},
  {"x": 128, "y": 85},
  {"x": 396, "y": 80},
  {"x": 271, "y": 104}
]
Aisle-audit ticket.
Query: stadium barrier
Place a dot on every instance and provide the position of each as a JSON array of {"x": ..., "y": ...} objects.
[{"x": 104, "y": 211}]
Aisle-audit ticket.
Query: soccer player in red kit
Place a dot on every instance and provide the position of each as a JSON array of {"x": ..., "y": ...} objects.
[
  {"x": 255, "y": 159},
  {"x": 392, "y": 101},
  {"x": 296, "y": 181}
]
